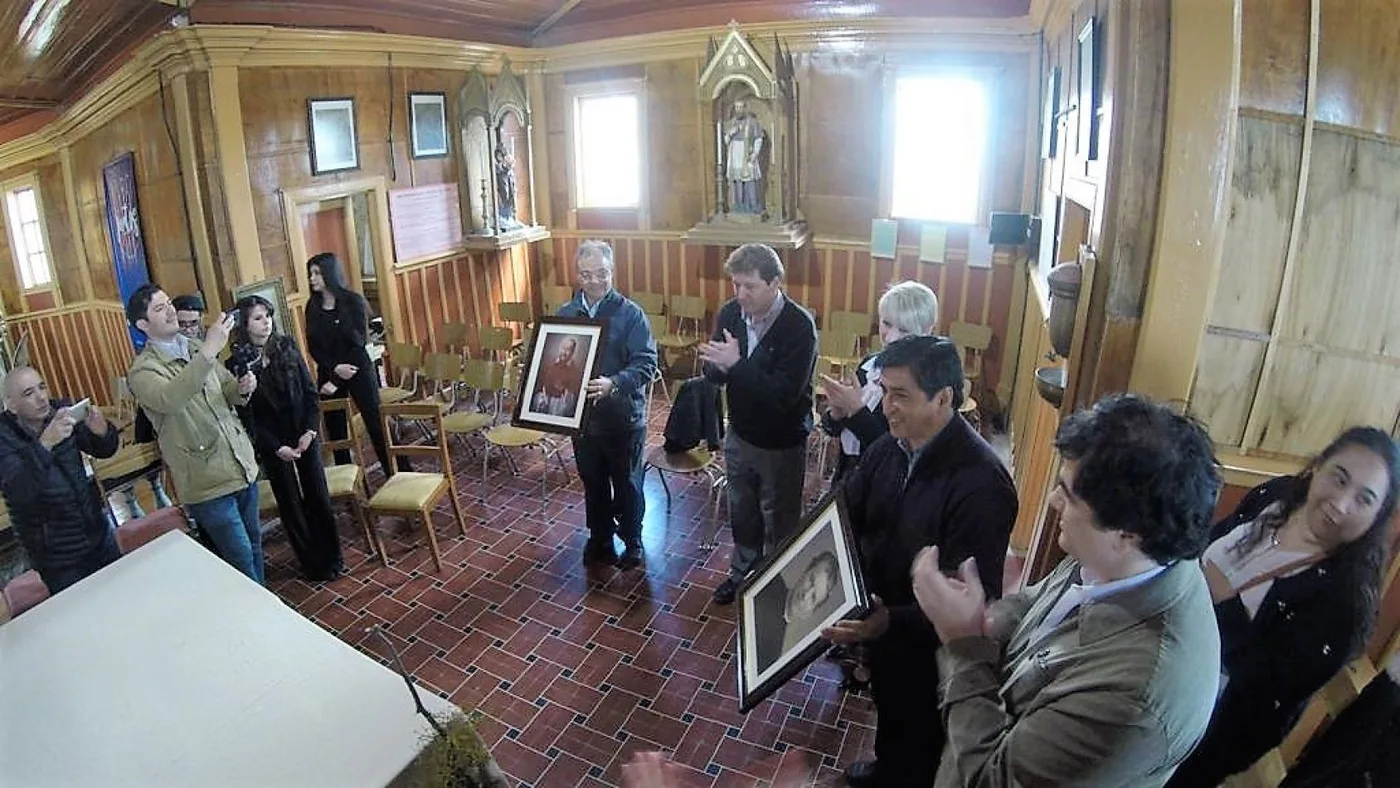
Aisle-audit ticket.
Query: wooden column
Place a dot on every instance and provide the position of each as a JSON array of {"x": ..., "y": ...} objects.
[
  {"x": 1203, "y": 93},
  {"x": 233, "y": 172},
  {"x": 194, "y": 195},
  {"x": 75, "y": 219}
]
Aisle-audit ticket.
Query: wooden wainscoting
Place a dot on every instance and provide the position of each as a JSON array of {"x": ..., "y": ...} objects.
[
  {"x": 826, "y": 276},
  {"x": 78, "y": 349},
  {"x": 462, "y": 288}
]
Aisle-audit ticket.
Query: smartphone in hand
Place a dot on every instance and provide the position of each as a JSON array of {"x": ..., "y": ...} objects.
[{"x": 78, "y": 411}]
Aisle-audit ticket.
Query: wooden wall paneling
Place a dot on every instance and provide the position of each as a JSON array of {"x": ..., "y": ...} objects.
[
  {"x": 1350, "y": 239},
  {"x": 557, "y": 114},
  {"x": 1357, "y": 63},
  {"x": 842, "y": 100},
  {"x": 1274, "y": 55},
  {"x": 1313, "y": 395},
  {"x": 675, "y": 188},
  {"x": 1227, "y": 379}
]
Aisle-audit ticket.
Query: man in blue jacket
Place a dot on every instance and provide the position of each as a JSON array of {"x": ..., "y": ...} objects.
[{"x": 609, "y": 453}]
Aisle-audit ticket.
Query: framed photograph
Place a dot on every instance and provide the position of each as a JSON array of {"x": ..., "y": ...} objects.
[
  {"x": 283, "y": 322},
  {"x": 334, "y": 145},
  {"x": 427, "y": 125},
  {"x": 562, "y": 355},
  {"x": 1089, "y": 98},
  {"x": 810, "y": 583}
]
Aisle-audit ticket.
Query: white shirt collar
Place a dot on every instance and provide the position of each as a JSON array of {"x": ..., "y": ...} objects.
[{"x": 1087, "y": 593}]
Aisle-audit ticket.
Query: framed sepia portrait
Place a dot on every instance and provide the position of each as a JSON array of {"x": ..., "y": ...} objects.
[
  {"x": 427, "y": 125},
  {"x": 283, "y": 322},
  {"x": 810, "y": 583},
  {"x": 563, "y": 353},
  {"x": 334, "y": 145}
]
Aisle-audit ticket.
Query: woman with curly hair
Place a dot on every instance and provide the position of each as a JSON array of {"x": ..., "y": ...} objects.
[
  {"x": 282, "y": 415},
  {"x": 1295, "y": 574}
]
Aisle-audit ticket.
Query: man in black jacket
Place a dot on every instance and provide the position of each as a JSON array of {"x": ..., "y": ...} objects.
[
  {"x": 931, "y": 481},
  {"x": 54, "y": 505},
  {"x": 764, "y": 349}
]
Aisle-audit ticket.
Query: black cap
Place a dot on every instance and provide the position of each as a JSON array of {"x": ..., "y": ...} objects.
[{"x": 188, "y": 303}]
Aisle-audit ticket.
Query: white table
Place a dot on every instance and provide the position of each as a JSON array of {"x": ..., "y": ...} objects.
[{"x": 169, "y": 668}]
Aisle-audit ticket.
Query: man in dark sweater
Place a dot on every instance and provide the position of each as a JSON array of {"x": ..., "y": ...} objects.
[
  {"x": 931, "y": 481},
  {"x": 763, "y": 351}
]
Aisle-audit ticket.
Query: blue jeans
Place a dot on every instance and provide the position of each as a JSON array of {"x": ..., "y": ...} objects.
[{"x": 232, "y": 522}]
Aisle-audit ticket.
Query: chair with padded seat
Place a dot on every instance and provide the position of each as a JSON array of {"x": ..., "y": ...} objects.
[
  {"x": 480, "y": 377},
  {"x": 651, "y": 303},
  {"x": 407, "y": 359},
  {"x": 509, "y": 436},
  {"x": 687, "y": 315},
  {"x": 349, "y": 483},
  {"x": 972, "y": 340},
  {"x": 413, "y": 495}
]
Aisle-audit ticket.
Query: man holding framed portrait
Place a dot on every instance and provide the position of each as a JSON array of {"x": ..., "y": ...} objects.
[
  {"x": 932, "y": 481},
  {"x": 608, "y": 453}
]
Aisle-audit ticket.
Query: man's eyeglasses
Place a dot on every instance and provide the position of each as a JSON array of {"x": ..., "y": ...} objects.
[{"x": 589, "y": 276}]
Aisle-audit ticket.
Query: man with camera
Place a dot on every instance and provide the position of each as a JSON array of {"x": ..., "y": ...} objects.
[
  {"x": 54, "y": 507},
  {"x": 190, "y": 399}
]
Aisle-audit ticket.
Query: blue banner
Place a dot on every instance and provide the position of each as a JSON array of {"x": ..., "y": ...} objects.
[{"x": 124, "y": 231}]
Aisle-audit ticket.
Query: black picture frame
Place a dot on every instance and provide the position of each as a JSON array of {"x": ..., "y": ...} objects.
[
  {"x": 332, "y": 135},
  {"x": 768, "y": 657},
  {"x": 565, "y": 412},
  {"x": 427, "y": 130},
  {"x": 1050, "y": 116},
  {"x": 1089, "y": 99}
]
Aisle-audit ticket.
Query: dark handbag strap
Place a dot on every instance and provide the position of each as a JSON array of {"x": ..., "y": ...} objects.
[{"x": 1277, "y": 572}]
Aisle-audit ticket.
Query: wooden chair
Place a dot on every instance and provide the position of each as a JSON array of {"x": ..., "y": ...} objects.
[
  {"x": 407, "y": 359},
  {"x": 857, "y": 324},
  {"x": 412, "y": 494},
  {"x": 453, "y": 338},
  {"x": 496, "y": 341},
  {"x": 972, "y": 340},
  {"x": 349, "y": 483},
  {"x": 651, "y": 303},
  {"x": 517, "y": 313},
  {"x": 479, "y": 376},
  {"x": 688, "y": 315},
  {"x": 839, "y": 349},
  {"x": 698, "y": 461},
  {"x": 509, "y": 436}
]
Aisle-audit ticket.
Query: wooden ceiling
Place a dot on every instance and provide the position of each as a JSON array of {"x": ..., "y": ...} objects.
[{"x": 52, "y": 50}]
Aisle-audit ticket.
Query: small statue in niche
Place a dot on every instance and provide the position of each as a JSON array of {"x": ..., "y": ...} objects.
[
  {"x": 745, "y": 143},
  {"x": 505, "y": 186}
]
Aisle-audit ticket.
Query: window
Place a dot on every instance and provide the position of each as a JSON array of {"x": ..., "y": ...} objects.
[
  {"x": 27, "y": 237},
  {"x": 942, "y": 123},
  {"x": 608, "y": 150}
]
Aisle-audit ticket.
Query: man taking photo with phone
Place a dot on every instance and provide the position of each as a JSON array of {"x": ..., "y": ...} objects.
[
  {"x": 190, "y": 400},
  {"x": 54, "y": 507}
]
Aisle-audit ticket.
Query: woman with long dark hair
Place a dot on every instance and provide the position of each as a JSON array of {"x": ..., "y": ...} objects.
[
  {"x": 282, "y": 415},
  {"x": 1295, "y": 574},
  {"x": 337, "y": 328}
]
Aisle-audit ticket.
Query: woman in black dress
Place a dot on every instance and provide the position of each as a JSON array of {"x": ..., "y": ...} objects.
[
  {"x": 282, "y": 415},
  {"x": 337, "y": 328}
]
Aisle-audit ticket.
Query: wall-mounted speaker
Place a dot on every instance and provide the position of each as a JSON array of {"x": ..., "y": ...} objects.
[{"x": 1010, "y": 229}]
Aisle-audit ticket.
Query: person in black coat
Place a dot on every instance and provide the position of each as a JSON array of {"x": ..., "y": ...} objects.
[
  {"x": 931, "y": 481},
  {"x": 1295, "y": 574},
  {"x": 337, "y": 329},
  {"x": 54, "y": 506},
  {"x": 282, "y": 417},
  {"x": 853, "y": 413}
]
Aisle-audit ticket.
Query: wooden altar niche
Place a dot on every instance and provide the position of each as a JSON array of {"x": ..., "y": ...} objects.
[
  {"x": 754, "y": 112},
  {"x": 493, "y": 126}
]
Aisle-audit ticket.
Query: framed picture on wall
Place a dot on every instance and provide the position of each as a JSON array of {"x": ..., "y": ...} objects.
[
  {"x": 276, "y": 294},
  {"x": 562, "y": 355},
  {"x": 810, "y": 583},
  {"x": 334, "y": 145},
  {"x": 1089, "y": 98},
  {"x": 427, "y": 125}
]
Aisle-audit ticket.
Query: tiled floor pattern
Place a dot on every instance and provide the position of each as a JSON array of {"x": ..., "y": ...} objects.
[{"x": 572, "y": 671}]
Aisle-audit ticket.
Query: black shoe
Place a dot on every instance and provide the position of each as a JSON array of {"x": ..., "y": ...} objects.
[
  {"x": 600, "y": 552},
  {"x": 724, "y": 595},
  {"x": 863, "y": 774},
  {"x": 631, "y": 557}
]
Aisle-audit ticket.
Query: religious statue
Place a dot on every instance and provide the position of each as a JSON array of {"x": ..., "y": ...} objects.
[
  {"x": 505, "y": 186},
  {"x": 745, "y": 144}
]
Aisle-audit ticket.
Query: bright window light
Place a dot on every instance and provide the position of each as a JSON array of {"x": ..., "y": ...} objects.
[
  {"x": 607, "y": 153},
  {"x": 27, "y": 236},
  {"x": 941, "y": 128}
]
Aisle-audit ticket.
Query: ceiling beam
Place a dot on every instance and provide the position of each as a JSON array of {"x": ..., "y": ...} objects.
[
  {"x": 18, "y": 103},
  {"x": 553, "y": 18}
]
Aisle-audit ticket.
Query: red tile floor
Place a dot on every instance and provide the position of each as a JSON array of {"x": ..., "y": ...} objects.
[{"x": 574, "y": 672}]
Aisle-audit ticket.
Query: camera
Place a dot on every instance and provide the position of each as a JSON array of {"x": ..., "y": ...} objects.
[{"x": 241, "y": 358}]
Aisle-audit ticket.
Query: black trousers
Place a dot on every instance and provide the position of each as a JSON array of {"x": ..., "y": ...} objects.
[
  {"x": 610, "y": 466},
  {"x": 304, "y": 505},
  {"x": 909, "y": 725},
  {"x": 363, "y": 389}
]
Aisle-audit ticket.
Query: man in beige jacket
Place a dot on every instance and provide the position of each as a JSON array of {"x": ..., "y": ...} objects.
[
  {"x": 1104, "y": 673},
  {"x": 190, "y": 400}
]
